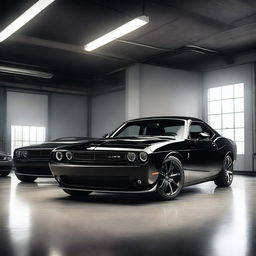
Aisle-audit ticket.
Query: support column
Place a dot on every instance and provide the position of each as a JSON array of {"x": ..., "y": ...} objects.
[
  {"x": 132, "y": 92},
  {"x": 3, "y": 120}
]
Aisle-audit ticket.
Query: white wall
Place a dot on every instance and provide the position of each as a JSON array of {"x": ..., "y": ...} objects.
[
  {"x": 107, "y": 112},
  {"x": 68, "y": 115},
  {"x": 26, "y": 109},
  {"x": 163, "y": 91},
  {"x": 232, "y": 75}
]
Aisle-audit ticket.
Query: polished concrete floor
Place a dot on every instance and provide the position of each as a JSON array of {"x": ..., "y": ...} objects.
[{"x": 39, "y": 219}]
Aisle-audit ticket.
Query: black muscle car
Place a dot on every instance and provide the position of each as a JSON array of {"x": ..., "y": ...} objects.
[
  {"x": 158, "y": 154},
  {"x": 32, "y": 161},
  {"x": 5, "y": 164}
]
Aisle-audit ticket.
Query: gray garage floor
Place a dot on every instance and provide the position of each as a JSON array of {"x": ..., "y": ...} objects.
[{"x": 39, "y": 219}]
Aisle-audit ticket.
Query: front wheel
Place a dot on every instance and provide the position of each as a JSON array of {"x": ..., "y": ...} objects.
[
  {"x": 225, "y": 177},
  {"x": 4, "y": 173},
  {"x": 77, "y": 193},
  {"x": 171, "y": 179},
  {"x": 25, "y": 178}
]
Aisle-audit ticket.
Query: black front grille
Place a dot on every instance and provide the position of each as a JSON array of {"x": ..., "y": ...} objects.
[
  {"x": 42, "y": 153},
  {"x": 97, "y": 182},
  {"x": 104, "y": 157}
]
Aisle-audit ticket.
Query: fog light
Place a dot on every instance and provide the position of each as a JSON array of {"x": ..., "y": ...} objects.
[
  {"x": 143, "y": 156},
  {"x": 69, "y": 155},
  {"x": 131, "y": 156},
  {"x": 59, "y": 156},
  {"x": 139, "y": 182}
]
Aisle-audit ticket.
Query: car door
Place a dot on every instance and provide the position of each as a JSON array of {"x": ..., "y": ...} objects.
[{"x": 202, "y": 161}]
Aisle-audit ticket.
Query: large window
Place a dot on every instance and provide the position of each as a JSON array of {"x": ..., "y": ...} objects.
[
  {"x": 26, "y": 135},
  {"x": 226, "y": 112}
]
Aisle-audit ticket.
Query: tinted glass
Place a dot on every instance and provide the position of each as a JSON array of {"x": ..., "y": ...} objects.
[{"x": 169, "y": 127}]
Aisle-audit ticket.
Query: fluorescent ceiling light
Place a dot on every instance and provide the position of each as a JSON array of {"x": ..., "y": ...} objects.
[
  {"x": 25, "y": 72},
  {"x": 118, "y": 32},
  {"x": 24, "y": 18}
]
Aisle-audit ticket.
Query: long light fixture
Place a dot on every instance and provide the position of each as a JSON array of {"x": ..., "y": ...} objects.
[
  {"x": 116, "y": 33},
  {"x": 25, "y": 72},
  {"x": 24, "y": 18}
]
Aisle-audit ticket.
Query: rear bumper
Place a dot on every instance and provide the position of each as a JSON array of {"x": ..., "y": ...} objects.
[
  {"x": 105, "y": 178},
  {"x": 33, "y": 168}
]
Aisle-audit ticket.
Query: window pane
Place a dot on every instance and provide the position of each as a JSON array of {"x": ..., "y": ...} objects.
[
  {"x": 214, "y": 93},
  {"x": 25, "y": 133},
  {"x": 239, "y": 120},
  {"x": 228, "y": 133},
  {"x": 18, "y": 133},
  {"x": 239, "y": 90},
  {"x": 240, "y": 148},
  {"x": 239, "y": 134},
  {"x": 32, "y": 133},
  {"x": 214, "y": 107},
  {"x": 227, "y": 92},
  {"x": 215, "y": 121},
  {"x": 40, "y": 134},
  {"x": 228, "y": 106},
  {"x": 228, "y": 121},
  {"x": 239, "y": 105}
]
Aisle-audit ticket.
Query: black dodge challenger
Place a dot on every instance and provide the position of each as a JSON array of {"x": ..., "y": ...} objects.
[
  {"x": 32, "y": 161},
  {"x": 157, "y": 154},
  {"x": 5, "y": 164}
]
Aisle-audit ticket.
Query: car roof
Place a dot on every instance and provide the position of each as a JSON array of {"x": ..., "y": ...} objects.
[{"x": 167, "y": 117}]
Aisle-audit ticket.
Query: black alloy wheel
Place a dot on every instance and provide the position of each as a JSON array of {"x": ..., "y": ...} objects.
[
  {"x": 171, "y": 179},
  {"x": 25, "y": 178},
  {"x": 225, "y": 177},
  {"x": 4, "y": 173}
]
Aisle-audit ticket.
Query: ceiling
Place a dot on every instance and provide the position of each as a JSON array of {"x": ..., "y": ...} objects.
[{"x": 181, "y": 34}]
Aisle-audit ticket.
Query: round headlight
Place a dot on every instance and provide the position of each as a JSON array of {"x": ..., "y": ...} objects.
[
  {"x": 69, "y": 155},
  {"x": 25, "y": 153},
  {"x": 131, "y": 156},
  {"x": 9, "y": 158},
  {"x": 143, "y": 156},
  {"x": 18, "y": 154},
  {"x": 59, "y": 156}
]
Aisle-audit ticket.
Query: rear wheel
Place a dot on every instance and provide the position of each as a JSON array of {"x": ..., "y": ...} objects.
[
  {"x": 77, "y": 193},
  {"x": 4, "y": 173},
  {"x": 25, "y": 178},
  {"x": 171, "y": 179},
  {"x": 225, "y": 177}
]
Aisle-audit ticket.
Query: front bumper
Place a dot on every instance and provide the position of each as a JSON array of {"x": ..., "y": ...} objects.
[
  {"x": 6, "y": 165},
  {"x": 105, "y": 178},
  {"x": 33, "y": 168}
]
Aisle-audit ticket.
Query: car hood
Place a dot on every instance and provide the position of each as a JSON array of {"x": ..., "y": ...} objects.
[
  {"x": 50, "y": 145},
  {"x": 129, "y": 143}
]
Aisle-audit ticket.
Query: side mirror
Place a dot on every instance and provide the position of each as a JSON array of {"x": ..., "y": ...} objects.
[{"x": 204, "y": 135}]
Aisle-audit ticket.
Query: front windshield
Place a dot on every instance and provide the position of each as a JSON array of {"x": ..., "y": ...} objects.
[{"x": 157, "y": 127}]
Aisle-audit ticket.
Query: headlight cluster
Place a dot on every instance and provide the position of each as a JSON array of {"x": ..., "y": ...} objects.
[
  {"x": 59, "y": 155},
  {"x": 143, "y": 156},
  {"x": 21, "y": 153}
]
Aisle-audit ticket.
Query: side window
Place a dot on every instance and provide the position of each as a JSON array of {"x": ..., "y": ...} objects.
[{"x": 197, "y": 128}]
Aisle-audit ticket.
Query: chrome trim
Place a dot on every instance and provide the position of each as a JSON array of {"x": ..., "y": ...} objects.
[
  {"x": 35, "y": 175},
  {"x": 114, "y": 191}
]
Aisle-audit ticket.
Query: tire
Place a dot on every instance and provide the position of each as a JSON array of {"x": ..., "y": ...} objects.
[
  {"x": 4, "y": 173},
  {"x": 171, "y": 179},
  {"x": 225, "y": 177},
  {"x": 25, "y": 178},
  {"x": 77, "y": 193}
]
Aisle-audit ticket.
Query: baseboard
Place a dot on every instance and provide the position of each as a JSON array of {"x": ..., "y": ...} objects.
[{"x": 247, "y": 173}]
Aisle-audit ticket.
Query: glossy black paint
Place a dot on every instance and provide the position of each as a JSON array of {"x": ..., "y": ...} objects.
[
  {"x": 37, "y": 161},
  {"x": 201, "y": 158},
  {"x": 6, "y": 163}
]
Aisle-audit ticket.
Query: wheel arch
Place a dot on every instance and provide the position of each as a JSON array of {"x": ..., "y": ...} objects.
[{"x": 175, "y": 154}]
